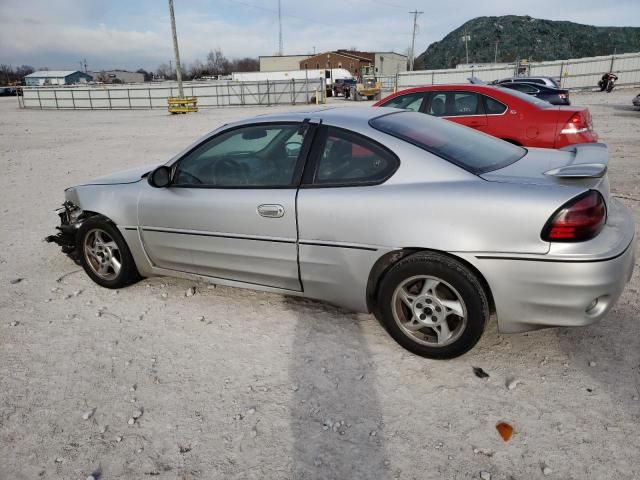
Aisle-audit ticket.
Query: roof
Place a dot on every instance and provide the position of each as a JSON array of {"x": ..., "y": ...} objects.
[
  {"x": 280, "y": 56},
  {"x": 52, "y": 73}
]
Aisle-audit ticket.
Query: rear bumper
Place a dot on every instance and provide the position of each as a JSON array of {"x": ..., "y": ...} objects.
[
  {"x": 573, "y": 285},
  {"x": 532, "y": 294}
]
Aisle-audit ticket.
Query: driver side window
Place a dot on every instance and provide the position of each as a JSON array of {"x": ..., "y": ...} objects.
[{"x": 249, "y": 156}]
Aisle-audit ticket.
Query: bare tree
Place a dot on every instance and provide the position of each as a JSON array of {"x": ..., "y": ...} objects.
[
  {"x": 246, "y": 64},
  {"x": 163, "y": 71},
  {"x": 217, "y": 63},
  {"x": 197, "y": 69}
]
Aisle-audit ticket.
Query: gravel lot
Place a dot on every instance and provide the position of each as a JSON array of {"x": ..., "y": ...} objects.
[{"x": 236, "y": 384}]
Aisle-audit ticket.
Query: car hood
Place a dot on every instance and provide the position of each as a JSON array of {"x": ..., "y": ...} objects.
[{"x": 131, "y": 175}]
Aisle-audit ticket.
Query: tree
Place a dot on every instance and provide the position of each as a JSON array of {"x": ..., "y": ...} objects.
[
  {"x": 23, "y": 70},
  {"x": 217, "y": 63},
  {"x": 197, "y": 69},
  {"x": 246, "y": 64},
  {"x": 163, "y": 71},
  {"x": 6, "y": 74},
  {"x": 147, "y": 76}
]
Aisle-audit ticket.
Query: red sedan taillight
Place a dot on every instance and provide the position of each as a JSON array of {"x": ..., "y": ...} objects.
[
  {"x": 580, "y": 219},
  {"x": 576, "y": 124}
]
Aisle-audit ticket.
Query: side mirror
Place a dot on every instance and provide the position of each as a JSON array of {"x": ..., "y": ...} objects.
[{"x": 160, "y": 177}]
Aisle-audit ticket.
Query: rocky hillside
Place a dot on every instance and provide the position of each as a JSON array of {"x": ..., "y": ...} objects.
[{"x": 526, "y": 37}]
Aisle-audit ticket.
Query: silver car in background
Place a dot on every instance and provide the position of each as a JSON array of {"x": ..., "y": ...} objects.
[{"x": 429, "y": 225}]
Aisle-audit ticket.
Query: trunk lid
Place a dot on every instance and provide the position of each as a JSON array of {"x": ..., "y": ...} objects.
[{"x": 582, "y": 165}]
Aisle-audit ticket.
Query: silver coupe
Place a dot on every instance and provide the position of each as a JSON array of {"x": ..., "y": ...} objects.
[{"x": 429, "y": 225}]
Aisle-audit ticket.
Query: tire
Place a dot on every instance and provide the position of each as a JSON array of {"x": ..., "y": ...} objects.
[
  {"x": 101, "y": 248},
  {"x": 453, "y": 289}
]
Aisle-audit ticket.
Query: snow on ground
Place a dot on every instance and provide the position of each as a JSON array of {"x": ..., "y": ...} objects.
[{"x": 237, "y": 384}]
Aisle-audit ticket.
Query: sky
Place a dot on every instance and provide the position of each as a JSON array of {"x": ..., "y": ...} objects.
[{"x": 132, "y": 34}]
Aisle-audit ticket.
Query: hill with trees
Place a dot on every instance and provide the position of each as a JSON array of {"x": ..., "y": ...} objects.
[{"x": 521, "y": 37}]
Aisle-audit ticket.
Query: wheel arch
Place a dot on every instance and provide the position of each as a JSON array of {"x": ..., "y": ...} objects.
[{"x": 388, "y": 260}]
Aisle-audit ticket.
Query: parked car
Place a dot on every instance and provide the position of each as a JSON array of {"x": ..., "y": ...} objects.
[
  {"x": 342, "y": 86},
  {"x": 429, "y": 225},
  {"x": 507, "y": 114},
  {"x": 7, "y": 91},
  {"x": 636, "y": 100},
  {"x": 553, "y": 95},
  {"x": 545, "y": 81}
]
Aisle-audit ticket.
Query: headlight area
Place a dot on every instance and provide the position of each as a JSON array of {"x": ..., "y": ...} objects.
[{"x": 70, "y": 220}]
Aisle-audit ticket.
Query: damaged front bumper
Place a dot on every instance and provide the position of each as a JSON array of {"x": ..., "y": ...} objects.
[{"x": 70, "y": 220}]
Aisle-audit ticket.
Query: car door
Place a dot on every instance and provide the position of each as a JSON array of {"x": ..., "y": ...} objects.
[
  {"x": 462, "y": 107},
  {"x": 230, "y": 211},
  {"x": 342, "y": 180},
  {"x": 497, "y": 120}
]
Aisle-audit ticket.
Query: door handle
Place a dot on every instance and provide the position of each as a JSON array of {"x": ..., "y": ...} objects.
[{"x": 271, "y": 210}]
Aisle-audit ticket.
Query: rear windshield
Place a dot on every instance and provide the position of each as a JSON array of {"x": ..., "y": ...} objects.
[
  {"x": 527, "y": 98},
  {"x": 471, "y": 150}
]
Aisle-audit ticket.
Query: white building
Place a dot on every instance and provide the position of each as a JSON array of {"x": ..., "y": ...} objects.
[
  {"x": 390, "y": 63},
  {"x": 56, "y": 77},
  {"x": 281, "y": 63}
]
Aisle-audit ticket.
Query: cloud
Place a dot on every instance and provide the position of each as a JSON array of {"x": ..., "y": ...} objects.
[{"x": 132, "y": 34}]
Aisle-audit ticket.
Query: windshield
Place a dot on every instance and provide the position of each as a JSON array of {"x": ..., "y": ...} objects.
[{"x": 471, "y": 150}]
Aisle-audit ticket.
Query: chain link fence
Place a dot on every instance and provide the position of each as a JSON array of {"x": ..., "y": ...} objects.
[
  {"x": 138, "y": 97},
  {"x": 582, "y": 73}
]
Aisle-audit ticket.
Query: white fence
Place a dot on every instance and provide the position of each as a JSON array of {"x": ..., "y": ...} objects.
[
  {"x": 135, "y": 97},
  {"x": 573, "y": 74}
]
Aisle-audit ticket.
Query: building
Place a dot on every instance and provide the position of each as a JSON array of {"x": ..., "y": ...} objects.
[
  {"x": 369, "y": 63},
  {"x": 390, "y": 63},
  {"x": 353, "y": 61},
  {"x": 117, "y": 76},
  {"x": 281, "y": 63},
  {"x": 56, "y": 77}
]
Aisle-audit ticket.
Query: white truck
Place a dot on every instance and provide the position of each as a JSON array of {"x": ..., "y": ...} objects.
[{"x": 329, "y": 74}]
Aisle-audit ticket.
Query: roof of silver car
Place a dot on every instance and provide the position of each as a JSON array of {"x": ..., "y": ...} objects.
[{"x": 341, "y": 113}]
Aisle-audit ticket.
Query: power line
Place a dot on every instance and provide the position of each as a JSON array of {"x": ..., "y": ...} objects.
[{"x": 415, "y": 14}]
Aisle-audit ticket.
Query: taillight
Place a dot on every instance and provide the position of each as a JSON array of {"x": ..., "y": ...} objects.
[
  {"x": 576, "y": 124},
  {"x": 578, "y": 220}
]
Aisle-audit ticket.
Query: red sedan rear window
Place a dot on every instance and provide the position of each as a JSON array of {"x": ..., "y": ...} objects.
[{"x": 474, "y": 151}]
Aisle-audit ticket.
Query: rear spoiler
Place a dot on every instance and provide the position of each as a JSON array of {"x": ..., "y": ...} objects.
[{"x": 590, "y": 160}]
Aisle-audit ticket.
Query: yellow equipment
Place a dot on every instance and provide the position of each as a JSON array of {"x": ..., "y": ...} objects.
[
  {"x": 368, "y": 88},
  {"x": 182, "y": 105}
]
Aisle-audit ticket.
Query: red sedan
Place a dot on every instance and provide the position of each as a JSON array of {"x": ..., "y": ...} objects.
[{"x": 513, "y": 116}]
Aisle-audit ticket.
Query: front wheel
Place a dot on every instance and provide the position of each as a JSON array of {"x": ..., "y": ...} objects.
[
  {"x": 104, "y": 254},
  {"x": 433, "y": 305}
]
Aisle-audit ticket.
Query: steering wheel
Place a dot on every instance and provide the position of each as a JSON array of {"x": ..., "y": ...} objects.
[
  {"x": 233, "y": 169},
  {"x": 195, "y": 180}
]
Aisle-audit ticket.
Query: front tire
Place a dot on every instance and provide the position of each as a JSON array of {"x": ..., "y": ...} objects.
[
  {"x": 104, "y": 254},
  {"x": 433, "y": 305}
]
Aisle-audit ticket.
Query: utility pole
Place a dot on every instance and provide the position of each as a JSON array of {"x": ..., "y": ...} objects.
[
  {"x": 280, "y": 48},
  {"x": 415, "y": 14},
  {"x": 495, "y": 55},
  {"x": 83, "y": 64},
  {"x": 175, "y": 49},
  {"x": 466, "y": 43}
]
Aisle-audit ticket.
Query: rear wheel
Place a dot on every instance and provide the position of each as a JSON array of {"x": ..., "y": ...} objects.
[
  {"x": 104, "y": 254},
  {"x": 433, "y": 305}
]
